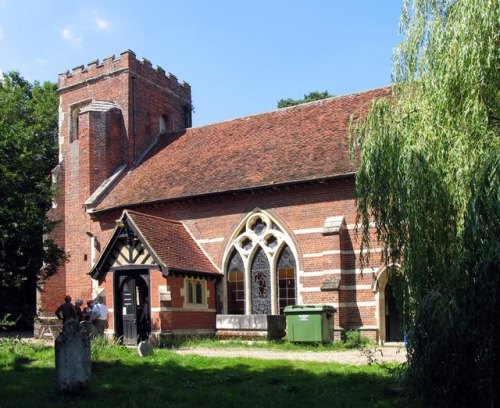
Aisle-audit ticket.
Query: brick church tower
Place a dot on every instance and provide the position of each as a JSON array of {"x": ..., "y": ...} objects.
[{"x": 110, "y": 115}]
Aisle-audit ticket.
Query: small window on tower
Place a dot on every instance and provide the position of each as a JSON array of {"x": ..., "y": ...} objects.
[
  {"x": 73, "y": 131},
  {"x": 188, "y": 110},
  {"x": 74, "y": 127},
  {"x": 163, "y": 124}
]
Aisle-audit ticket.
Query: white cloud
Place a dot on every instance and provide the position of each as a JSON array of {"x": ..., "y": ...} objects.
[
  {"x": 70, "y": 35},
  {"x": 1, "y": 75},
  {"x": 100, "y": 23},
  {"x": 1, "y": 34}
]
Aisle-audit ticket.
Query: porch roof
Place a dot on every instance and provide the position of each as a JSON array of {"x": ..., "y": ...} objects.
[{"x": 168, "y": 243}]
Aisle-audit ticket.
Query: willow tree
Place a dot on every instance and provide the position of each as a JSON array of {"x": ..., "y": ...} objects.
[{"x": 429, "y": 178}]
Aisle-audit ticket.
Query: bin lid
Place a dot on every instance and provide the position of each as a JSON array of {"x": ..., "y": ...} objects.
[{"x": 304, "y": 309}]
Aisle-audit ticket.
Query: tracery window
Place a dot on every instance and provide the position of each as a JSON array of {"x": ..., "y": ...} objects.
[{"x": 261, "y": 269}]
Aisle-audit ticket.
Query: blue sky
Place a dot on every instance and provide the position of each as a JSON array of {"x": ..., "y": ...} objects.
[{"x": 239, "y": 56}]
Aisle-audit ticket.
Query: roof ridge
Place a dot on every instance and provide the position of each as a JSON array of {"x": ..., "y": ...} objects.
[
  {"x": 290, "y": 108},
  {"x": 169, "y": 220}
]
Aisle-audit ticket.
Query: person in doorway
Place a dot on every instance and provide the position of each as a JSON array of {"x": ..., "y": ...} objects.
[
  {"x": 144, "y": 321},
  {"x": 66, "y": 311},
  {"x": 100, "y": 316}
]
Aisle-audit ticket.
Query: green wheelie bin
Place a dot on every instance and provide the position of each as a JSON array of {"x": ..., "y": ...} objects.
[{"x": 309, "y": 323}]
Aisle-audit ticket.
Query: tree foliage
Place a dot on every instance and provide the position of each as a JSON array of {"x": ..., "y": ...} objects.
[
  {"x": 310, "y": 97},
  {"x": 429, "y": 178},
  {"x": 28, "y": 152}
]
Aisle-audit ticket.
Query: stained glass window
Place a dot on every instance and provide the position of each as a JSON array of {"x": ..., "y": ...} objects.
[
  {"x": 236, "y": 284},
  {"x": 259, "y": 226},
  {"x": 261, "y": 284},
  {"x": 286, "y": 279}
]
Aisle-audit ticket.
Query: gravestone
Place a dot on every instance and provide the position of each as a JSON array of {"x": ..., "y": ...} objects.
[
  {"x": 72, "y": 351},
  {"x": 145, "y": 348},
  {"x": 153, "y": 340},
  {"x": 276, "y": 327}
]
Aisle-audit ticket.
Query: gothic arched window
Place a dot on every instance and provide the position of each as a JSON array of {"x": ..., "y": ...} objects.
[{"x": 261, "y": 268}]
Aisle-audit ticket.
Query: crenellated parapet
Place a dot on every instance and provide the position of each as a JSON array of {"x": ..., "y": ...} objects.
[{"x": 125, "y": 62}]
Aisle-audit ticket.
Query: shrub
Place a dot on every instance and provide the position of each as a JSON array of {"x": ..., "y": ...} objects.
[{"x": 354, "y": 339}]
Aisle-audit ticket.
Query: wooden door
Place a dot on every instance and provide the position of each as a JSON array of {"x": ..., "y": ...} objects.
[
  {"x": 393, "y": 327},
  {"x": 129, "y": 310}
]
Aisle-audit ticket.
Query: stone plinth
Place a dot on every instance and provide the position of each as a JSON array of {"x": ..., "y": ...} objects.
[{"x": 271, "y": 327}]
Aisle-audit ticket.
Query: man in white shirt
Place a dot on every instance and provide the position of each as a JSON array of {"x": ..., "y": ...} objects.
[{"x": 99, "y": 316}]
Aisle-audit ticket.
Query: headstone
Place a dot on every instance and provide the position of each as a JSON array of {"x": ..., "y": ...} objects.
[
  {"x": 153, "y": 340},
  {"x": 276, "y": 327},
  {"x": 72, "y": 351},
  {"x": 145, "y": 348}
]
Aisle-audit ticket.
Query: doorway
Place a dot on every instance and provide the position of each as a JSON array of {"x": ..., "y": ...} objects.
[
  {"x": 393, "y": 323},
  {"x": 133, "y": 308}
]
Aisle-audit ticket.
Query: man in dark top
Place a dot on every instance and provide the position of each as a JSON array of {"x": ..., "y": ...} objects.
[{"x": 66, "y": 311}]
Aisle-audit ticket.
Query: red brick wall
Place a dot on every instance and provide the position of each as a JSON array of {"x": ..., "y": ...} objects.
[{"x": 295, "y": 208}]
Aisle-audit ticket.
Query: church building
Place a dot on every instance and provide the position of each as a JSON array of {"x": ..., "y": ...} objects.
[{"x": 205, "y": 230}]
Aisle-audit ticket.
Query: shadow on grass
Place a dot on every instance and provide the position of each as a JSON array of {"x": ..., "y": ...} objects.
[{"x": 174, "y": 381}]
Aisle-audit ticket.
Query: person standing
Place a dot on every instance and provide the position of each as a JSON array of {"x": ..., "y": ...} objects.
[
  {"x": 100, "y": 316},
  {"x": 87, "y": 311},
  {"x": 66, "y": 311},
  {"x": 78, "y": 307},
  {"x": 86, "y": 322}
]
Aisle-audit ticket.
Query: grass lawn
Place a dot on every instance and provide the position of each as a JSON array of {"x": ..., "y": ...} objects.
[{"x": 120, "y": 378}]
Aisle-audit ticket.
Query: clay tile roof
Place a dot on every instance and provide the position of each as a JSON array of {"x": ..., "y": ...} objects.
[
  {"x": 172, "y": 244},
  {"x": 300, "y": 143}
]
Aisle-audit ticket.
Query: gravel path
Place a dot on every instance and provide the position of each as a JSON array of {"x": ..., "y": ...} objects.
[
  {"x": 392, "y": 354},
  {"x": 378, "y": 354}
]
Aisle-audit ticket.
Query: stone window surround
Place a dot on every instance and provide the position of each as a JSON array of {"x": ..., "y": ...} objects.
[
  {"x": 239, "y": 242},
  {"x": 74, "y": 109},
  {"x": 205, "y": 293}
]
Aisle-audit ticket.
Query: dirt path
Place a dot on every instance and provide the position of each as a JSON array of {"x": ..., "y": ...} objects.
[{"x": 379, "y": 354}]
